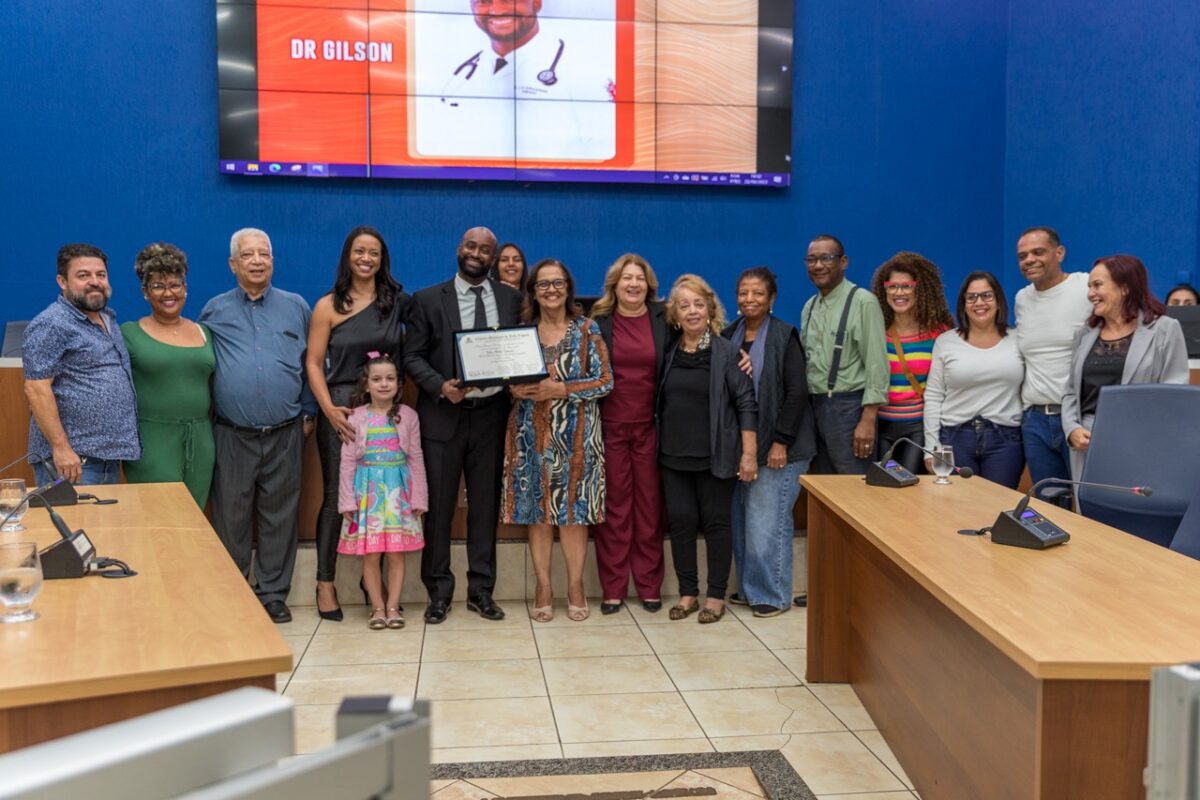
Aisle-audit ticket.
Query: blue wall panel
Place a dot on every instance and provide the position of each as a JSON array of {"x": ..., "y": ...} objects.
[{"x": 110, "y": 137}]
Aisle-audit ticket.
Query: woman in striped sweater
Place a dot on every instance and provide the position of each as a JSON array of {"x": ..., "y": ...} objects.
[{"x": 910, "y": 292}]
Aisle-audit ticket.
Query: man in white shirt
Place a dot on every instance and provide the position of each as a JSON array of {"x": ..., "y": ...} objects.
[
  {"x": 527, "y": 89},
  {"x": 1049, "y": 313}
]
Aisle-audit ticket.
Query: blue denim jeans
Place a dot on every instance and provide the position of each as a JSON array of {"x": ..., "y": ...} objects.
[
  {"x": 991, "y": 451},
  {"x": 762, "y": 534},
  {"x": 95, "y": 472},
  {"x": 1045, "y": 445}
]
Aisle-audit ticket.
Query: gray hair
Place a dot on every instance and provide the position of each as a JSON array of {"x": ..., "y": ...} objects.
[{"x": 237, "y": 237}]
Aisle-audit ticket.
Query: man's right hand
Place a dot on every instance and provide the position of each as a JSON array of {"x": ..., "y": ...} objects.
[
  {"x": 67, "y": 463},
  {"x": 452, "y": 392}
]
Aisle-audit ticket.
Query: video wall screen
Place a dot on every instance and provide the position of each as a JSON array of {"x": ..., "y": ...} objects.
[{"x": 639, "y": 91}]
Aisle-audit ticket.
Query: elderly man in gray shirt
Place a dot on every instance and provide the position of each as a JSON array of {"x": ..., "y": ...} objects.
[{"x": 263, "y": 413}]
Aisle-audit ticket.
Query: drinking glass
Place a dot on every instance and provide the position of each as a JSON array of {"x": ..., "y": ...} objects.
[
  {"x": 943, "y": 462},
  {"x": 12, "y": 501},
  {"x": 20, "y": 581}
]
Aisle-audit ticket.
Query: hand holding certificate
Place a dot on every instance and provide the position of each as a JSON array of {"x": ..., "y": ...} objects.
[{"x": 500, "y": 356}]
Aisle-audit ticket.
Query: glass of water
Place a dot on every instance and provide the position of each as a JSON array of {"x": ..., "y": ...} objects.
[
  {"x": 20, "y": 581},
  {"x": 943, "y": 462},
  {"x": 13, "y": 504}
]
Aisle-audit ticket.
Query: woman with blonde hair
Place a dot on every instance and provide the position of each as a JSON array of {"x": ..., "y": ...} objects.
[
  {"x": 707, "y": 440},
  {"x": 629, "y": 542}
]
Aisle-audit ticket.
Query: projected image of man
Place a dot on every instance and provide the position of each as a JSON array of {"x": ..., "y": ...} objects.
[{"x": 529, "y": 87}]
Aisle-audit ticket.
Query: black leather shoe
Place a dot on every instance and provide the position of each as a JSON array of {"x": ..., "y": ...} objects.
[
  {"x": 737, "y": 599},
  {"x": 278, "y": 611},
  {"x": 486, "y": 607},
  {"x": 801, "y": 601},
  {"x": 436, "y": 611},
  {"x": 653, "y": 606},
  {"x": 611, "y": 608}
]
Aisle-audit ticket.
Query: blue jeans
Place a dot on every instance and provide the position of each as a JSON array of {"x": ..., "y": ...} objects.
[
  {"x": 95, "y": 472},
  {"x": 762, "y": 534},
  {"x": 991, "y": 451},
  {"x": 836, "y": 418},
  {"x": 1046, "y": 448}
]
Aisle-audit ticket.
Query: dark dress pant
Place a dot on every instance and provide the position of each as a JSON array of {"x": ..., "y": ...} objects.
[{"x": 700, "y": 501}]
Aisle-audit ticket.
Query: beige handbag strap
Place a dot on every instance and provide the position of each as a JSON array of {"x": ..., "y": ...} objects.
[{"x": 912, "y": 381}]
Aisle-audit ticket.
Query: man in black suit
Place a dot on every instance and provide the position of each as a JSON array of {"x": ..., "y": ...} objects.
[{"x": 461, "y": 430}]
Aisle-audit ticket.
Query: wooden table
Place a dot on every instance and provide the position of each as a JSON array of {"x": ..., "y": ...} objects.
[
  {"x": 994, "y": 672},
  {"x": 187, "y": 626}
]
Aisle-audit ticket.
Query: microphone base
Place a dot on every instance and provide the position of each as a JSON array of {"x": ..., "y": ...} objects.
[
  {"x": 1030, "y": 530},
  {"x": 68, "y": 558},
  {"x": 890, "y": 474},
  {"x": 62, "y": 494}
]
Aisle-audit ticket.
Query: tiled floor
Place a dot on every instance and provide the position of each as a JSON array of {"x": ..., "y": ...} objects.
[{"x": 628, "y": 684}]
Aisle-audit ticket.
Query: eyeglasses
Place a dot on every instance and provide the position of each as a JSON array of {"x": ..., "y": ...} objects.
[
  {"x": 823, "y": 258},
  {"x": 973, "y": 297},
  {"x": 557, "y": 283},
  {"x": 160, "y": 288},
  {"x": 894, "y": 287}
]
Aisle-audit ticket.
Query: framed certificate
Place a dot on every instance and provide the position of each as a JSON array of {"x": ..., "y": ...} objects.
[{"x": 500, "y": 356}]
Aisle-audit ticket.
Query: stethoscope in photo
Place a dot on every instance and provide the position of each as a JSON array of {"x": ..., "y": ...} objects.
[{"x": 547, "y": 76}]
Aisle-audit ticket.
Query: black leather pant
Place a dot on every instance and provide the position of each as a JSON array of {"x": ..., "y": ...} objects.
[{"x": 329, "y": 520}]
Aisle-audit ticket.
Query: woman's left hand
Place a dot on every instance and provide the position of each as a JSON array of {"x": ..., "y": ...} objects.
[
  {"x": 545, "y": 389},
  {"x": 777, "y": 456},
  {"x": 748, "y": 468}
]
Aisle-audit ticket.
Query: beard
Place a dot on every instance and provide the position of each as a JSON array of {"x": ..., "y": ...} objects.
[
  {"x": 85, "y": 302},
  {"x": 476, "y": 269}
]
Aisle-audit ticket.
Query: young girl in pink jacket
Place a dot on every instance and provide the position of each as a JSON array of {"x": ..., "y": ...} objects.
[{"x": 382, "y": 493}]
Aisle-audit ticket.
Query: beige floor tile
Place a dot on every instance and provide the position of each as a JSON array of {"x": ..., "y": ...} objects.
[
  {"x": 787, "y": 631},
  {"x": 281, "y": 681},
  {"x": 613, "y": 640},
  {"x": 595, "y": 620},
  {"x": 739, "y": 744},
  {"x": 578, "y": 784},
  {"x": 794, "y": 660},
  {"x": 304, "y": 622},
  {"x": 465, "y": 680},
  {"x": 605, "y": 675},
  {"x": 369, "y": 647},
  {"x": 478, "y": 644},
  {"x": 875, "y": 743},
  {"x": 487, "y": 723},
  {"x": 832, "y": 763},
  {"x": 624, "y": 717},
  {"x": 315, "y": 727},
  {"x": 516, "y": 752},
  {"x": 724, "y": 791},
  {"x": 756, "y": 668},
  {"x": 462, "y": 790},
  {"x": 868, "y": 796},
  {"x": 434, "y": 786},
  {"x": 649, "y": 747},
  {"x": 688, "y": 636},
  {"x": 752, "y": 712},
  {"x": 741, "y": 777},
  {"x": 844, "y": 703},
  {"x": 461, "y": 619},
  {"x": 297, "y": 644},
  {"x": 319, "y": 685}
]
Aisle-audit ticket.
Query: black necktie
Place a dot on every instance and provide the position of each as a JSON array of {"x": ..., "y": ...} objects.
[
  {"x": 500, "y": 62},
  {"x": 480, "y": 311}
]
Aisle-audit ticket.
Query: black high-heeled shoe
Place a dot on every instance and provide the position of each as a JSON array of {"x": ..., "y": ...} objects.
[{"x": 332, "y": 616}]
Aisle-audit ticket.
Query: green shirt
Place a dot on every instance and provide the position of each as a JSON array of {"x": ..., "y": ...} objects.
[{"x": 864, "y": 365}]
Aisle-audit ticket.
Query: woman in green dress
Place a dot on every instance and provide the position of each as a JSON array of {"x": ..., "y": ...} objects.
[{"x": 172, "y": 361}]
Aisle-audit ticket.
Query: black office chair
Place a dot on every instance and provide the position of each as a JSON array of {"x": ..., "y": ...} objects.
[
  {"x": 1144, "y": 435},
  {"x": 1187, "y": 537}
]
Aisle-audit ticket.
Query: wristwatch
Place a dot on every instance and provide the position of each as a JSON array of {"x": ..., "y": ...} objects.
[{"x": 308, "y": 418}]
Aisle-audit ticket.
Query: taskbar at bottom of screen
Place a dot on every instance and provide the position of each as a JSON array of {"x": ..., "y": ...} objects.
[{"x": 294, "y": 169}]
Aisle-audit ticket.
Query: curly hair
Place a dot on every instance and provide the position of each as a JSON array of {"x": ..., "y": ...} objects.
[
  {"x": 160, "y": 260},
  {"x": 697, "y": 285},
  {"x": 929, "y": 307}
]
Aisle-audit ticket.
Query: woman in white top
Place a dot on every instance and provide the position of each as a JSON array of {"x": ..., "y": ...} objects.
[{"x": 973, "y": 395}]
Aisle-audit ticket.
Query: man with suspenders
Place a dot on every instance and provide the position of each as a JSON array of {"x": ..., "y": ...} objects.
[{"x": 844, "y": 341}]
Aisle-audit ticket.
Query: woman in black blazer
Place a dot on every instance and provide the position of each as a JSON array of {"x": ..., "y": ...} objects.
[
  {"x": 707, "y": 440},
  {"x": 629, "y": 542}
]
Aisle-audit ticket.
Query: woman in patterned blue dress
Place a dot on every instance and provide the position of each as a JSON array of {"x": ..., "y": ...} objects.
[{"x": 554, "y": 453}]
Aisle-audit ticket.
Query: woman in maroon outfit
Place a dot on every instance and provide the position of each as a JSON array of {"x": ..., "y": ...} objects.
[{"x": 630, "y": 541}]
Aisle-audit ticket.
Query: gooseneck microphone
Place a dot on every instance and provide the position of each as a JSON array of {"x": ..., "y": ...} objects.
[
  {"x": 889, "y": 473},
  {"x": 1023, "y": 527}
]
